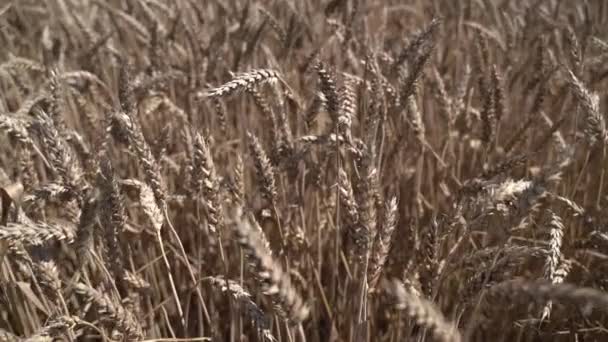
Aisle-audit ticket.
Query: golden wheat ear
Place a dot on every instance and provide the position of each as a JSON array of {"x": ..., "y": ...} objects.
[
  {"x": 241, "y": 82},
  {"x": 275, "y": 282},
  {"x": 422, "y": 312}
]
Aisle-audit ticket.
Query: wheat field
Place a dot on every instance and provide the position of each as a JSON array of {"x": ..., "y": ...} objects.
[{"x": 303, "y": 170}]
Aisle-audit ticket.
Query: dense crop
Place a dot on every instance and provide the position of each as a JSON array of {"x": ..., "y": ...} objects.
[{"x": 303, "y": 170}]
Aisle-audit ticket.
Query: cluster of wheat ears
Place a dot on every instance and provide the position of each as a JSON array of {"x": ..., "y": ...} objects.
[{"x": 303, "y": 170}]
